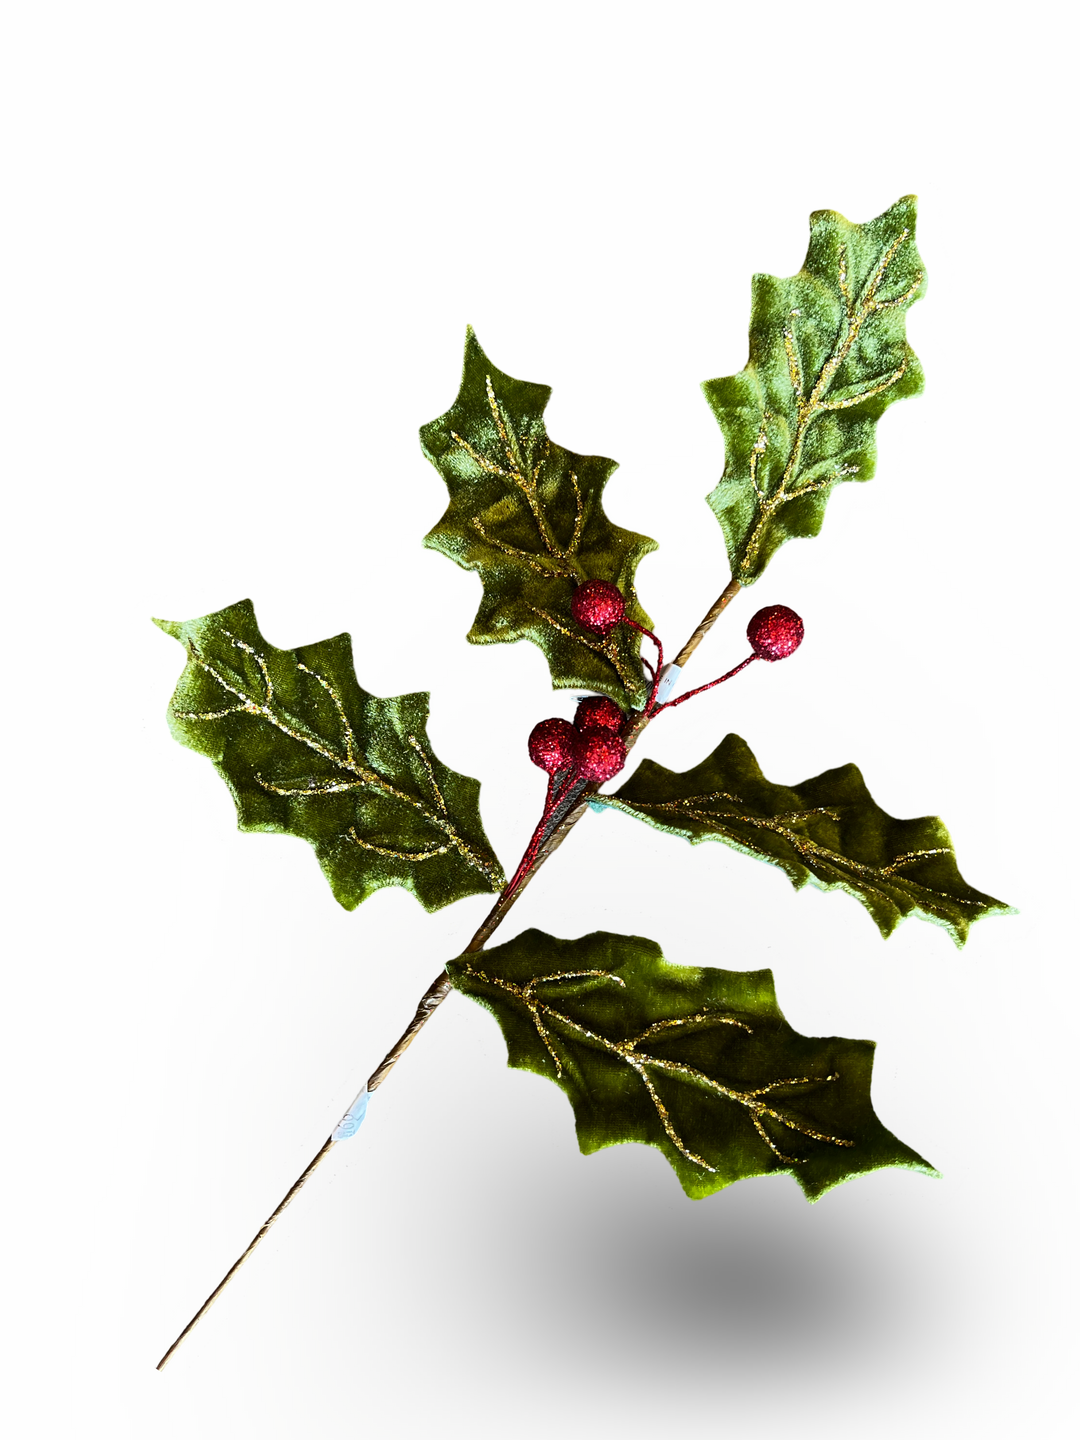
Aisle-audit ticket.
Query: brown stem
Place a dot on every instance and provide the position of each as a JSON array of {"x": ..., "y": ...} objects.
[
  {"x": 441, "y": 986},
  {"x": 730, "y": 591},
  {"x": 294, "y": 1189},
  {"x": 430, "y": 1001}
]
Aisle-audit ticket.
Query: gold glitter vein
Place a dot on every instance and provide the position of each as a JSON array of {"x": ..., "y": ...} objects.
[
  {"x": 513, "y": 454},
  {"x": 346, "y": 728},
  {"x": 579, "y": 515},
  {"x": 910, "y": 859},
  {"x": 553, "y": 559},
  {"x": 548, "y": 566},
  {"x": 703, "y": 1017},
  {"x": 207, "y": 714},
  {"x": 607, "y": 647},
  {"x": 849, "y": 400},
  {"x": 410, "y": 855},
  {"x": 259, "y": 660},
  {"x": 310, "y": 787},
  {"x": 527, "y": 480},
  {"x": 815, "y": 403},
  {"x": 362, "y": 776},
  {"x": 908, "y": 295},
  {"x": 627, "y": 1050},
  {"x": 425, "y": 761},
  {"x": 481, "y": 460},
  {"x": 804, "y": 845}
]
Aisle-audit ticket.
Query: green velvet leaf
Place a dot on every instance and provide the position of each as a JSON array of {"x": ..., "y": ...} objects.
[
  {"x": 828, "y": 355},
  {"x": 698, "y": 1062},
  {"x": 827, "y": 829},
  {"x": 307, "y": 752},
  {"x": 527, "y": 516}
]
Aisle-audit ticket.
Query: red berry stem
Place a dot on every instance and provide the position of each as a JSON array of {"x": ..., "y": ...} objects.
[
  {"x": 670, "y": 704},
  {"x": 650, "y": 707},
  {"x": 529, "y": 858},
  {"x": 558, "y": 791}
]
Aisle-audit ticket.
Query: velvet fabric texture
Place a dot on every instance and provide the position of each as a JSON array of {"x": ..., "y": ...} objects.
[
  {"x": 828, "y": 355},
  {"x": 698, "y": 1062},
  {"x": 307, "y": 752},
  {"x": 527, "y": 516},
  {"x": 828, "y": 830}
]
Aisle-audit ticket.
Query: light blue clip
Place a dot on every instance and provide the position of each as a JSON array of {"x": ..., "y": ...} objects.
[
  {"x": 669, "y": 677},
  {"x": 353, "y": 1118},
  {"x": 598, "y": 808}
]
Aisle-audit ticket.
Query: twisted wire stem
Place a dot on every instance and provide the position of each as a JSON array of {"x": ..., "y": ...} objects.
[{"x": 709, "y": 620}]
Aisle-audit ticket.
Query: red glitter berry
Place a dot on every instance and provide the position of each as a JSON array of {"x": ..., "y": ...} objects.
[
  {"x": 599, "y": 755},
  {"x": 551, "y": 745},
  {"x": 775, "y": 632},
  {"x": 597, "y": 712},
  {"x": 598, "y": 606}
]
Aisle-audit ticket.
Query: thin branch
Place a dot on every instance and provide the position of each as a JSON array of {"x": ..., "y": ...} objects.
[
  {"x": 294, "y": 1189},
  {"x": 568, "y": 815},
  {"x": 720, "y": 605}
]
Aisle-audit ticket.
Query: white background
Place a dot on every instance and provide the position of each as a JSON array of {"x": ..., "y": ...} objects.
[{"x": 241, "y": 244}]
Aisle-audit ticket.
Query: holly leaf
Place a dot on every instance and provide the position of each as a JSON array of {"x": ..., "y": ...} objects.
[
  {"x": 828, "y": 355},
  {"x": 698, "y": 1062},
  {"x": 307, "y": 752},
  {"x": 828, "y": 830},
  {"x": 527, "y": 516}
]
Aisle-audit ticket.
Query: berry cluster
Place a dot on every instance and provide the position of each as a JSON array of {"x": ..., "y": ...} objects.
[{"x": 592, "y": 750}]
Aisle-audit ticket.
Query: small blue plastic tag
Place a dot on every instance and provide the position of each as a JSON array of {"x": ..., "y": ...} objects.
[
  {"x": 353, "y": 1118},
  {"x": 668, "y": 680}
]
